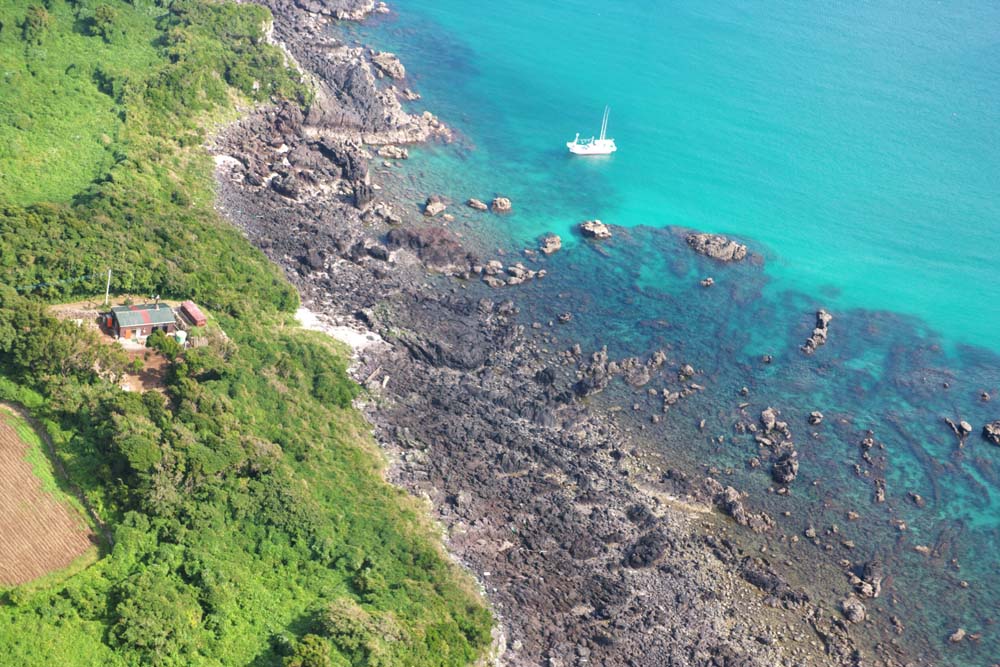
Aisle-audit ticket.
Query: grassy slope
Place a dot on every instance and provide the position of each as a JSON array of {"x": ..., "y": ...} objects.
[
  {"x": 57, "y": 129},
  {"x": 251, "y": 523}
]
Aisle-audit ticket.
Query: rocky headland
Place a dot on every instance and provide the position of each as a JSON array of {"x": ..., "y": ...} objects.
[{"x": 590, "y": 549}]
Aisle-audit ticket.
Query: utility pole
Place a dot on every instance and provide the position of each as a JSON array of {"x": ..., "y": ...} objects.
[{"x": 107, "y": 290}]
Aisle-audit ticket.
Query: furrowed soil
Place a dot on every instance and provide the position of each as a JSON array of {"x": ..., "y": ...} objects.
[{"x": 38, "y": 533}]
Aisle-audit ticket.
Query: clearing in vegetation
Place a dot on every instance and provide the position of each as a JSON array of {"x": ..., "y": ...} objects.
[{"x": 40, "y": 531}]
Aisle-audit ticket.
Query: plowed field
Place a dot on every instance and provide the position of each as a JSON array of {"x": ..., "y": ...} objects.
[{"x": 38, "y": 532}]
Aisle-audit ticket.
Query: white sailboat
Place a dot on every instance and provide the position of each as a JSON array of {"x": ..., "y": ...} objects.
[{"x": 592, "y": 146}]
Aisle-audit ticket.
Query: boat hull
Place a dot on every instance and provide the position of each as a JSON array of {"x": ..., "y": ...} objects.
[{"x": 606, "y": 147}]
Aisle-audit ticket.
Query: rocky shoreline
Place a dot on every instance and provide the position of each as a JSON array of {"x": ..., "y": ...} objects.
[{"x": 589, "y": 549}]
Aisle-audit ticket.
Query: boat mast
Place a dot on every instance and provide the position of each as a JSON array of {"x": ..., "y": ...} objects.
[{"x": 604, "y": 122}]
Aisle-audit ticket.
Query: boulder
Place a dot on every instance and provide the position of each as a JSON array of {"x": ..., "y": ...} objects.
[
  {"x": 493, "y": 267},
  {"x": 717, "y": 247},
  {"x": 434, "y": 206},
  {"x": 476, "y": 204},
  {"x": 595, "y": 229},
  {"x": 854, "y": 609},
  {"x": 550, "y": 243},
  {"x": 992, "y": 432},
  {"x": 391, "y": 152},
  {"x": 501, "y": 205},
  {"x": 785, "y": 468},
  {"x": 389, "y": 65},
  {"x": 364, "y": 194},
  {"x": 816, "y": 418},
  {"x": 769, "y": 419},
  {"x": 313, "y": 260},
  {"x": 819, "y": 332},
  {"x": 872, "y": 576},
  {"x": 708, "y": 282}
]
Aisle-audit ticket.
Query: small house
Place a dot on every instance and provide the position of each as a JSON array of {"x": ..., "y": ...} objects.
[
  {"x": 142, "y": 320},
  {"x": 193, "y": 314}
]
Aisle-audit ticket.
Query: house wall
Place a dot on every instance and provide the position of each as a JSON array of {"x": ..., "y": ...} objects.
[{"x": 128, "y": 332}]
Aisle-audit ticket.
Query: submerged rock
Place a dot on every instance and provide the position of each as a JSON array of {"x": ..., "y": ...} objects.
[
  {"x": 595, "y": 229},
  {"x": 717, "y": 247}
]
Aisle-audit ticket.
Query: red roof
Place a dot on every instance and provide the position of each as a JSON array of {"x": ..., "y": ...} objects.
[{"x": 194, "y": 313}]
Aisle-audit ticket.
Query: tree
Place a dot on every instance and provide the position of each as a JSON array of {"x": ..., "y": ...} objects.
[
  {"x": 164, "y": 344},
  {"x": 312, "y": 651},
  {"x": 106, "y": 22},
  {"x": 159, "y": 618},
  {"x": 37, "y": 22}
]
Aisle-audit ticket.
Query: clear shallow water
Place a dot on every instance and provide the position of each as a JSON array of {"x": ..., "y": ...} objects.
[
  {"x": 856, "y": 147},
  {"x": 857, "y": 143}
]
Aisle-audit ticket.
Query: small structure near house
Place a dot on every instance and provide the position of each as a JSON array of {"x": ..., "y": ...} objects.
[
  {"x": 193, "y": 314},
  {"x": 141, "y": 320}
]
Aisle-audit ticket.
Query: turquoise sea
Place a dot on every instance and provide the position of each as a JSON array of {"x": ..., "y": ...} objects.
[
  {"x": 857, "y": 142},
  {"x": 855, "y": 146}
]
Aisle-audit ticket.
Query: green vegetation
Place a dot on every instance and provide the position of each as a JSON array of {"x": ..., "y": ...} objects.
[{"x": 250, "y": 522}]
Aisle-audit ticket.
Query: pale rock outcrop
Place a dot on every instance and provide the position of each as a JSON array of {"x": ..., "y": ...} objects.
[
  {"x": 391, "y": 152},
  {"x": 717, "y": 247},
  {"x": 389, "y": 65},
  {"x": 819, "y": 332},
  {"x": 434, "y": 206},
  {"x": 595, "y": 229},
  {"x": 550, "y": 243},
  {"x": 501, "y": 205}
]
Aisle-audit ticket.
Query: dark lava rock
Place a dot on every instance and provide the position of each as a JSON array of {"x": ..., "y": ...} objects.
[
  {"x": 646, "y": 551},
  {"x": 379, "y": 252},
  {"x": 546, "y": 376},
  {"x": 872, "y": 575},
  {"x": 785, "y": 468},
  {"x": 364, "y": 194},
  {"x": 286, "y": 186},
  {"x": 437, "y": 247},
  {"x": 313, "y": 260}
]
